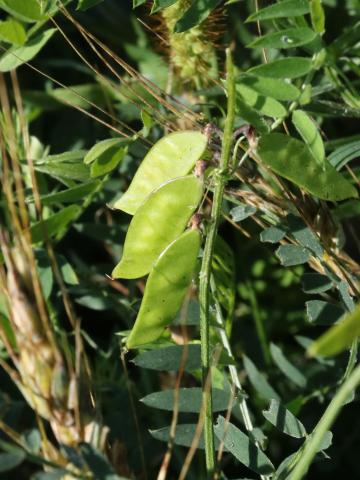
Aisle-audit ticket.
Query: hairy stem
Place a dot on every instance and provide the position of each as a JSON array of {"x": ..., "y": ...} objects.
[
  {"x": 204, "y": 291},
  {"x": 325, "y": 423}
]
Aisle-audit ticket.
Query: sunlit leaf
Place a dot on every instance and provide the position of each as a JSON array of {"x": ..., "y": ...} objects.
[
  {"x": 13, "y": 32},
  {"x": 290, "y": 67},
  {"x": 310, "y": 134},
  {"x": 16, "y": 56},
  {"x": 27, "y": 11},
  {"x": 55, "y": 225},
  {"x": 286, "y": 8},
  {"x": 289, "y": 38},
  {"x": 317, "y": 16},
  {"x": 339, "y": 337},
  {"x": 292, "y": 159},
  {"x": 271, "y": 87},
  {"x": 266, "y": 105},
  {"x": 71, "y": 195}
]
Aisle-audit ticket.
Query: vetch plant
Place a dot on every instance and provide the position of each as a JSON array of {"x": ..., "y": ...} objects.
[{"x": 184, "y": 234}]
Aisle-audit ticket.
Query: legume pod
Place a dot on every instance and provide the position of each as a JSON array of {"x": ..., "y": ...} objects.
[
  {"x": 158, "y": 221},
  {"x": 166, "y": 288},
  {"x": 172, "y": 156}
]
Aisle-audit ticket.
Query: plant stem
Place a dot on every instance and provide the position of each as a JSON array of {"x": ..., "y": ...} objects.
[
  {"x": 232, "y": 369},
  {"x": 233, "y": 372},
  {"x": 204, "y": 289},
  {"x": 328, "y": 418}
]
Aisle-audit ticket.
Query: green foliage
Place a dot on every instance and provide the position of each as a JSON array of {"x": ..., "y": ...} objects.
[
  {"x": 255, "y": 177},
  {"x": 242, "y": 448},
  {"x": 16, "y": 56},
  {"x": 190, "y": 400},
  {"x": 322, "y": 181},
  {"x": 195, "y": 15},
  {"x": 288, "y": 38},
  {"x": 284, "y": 420},
  {"x": 286, "y": 8}
]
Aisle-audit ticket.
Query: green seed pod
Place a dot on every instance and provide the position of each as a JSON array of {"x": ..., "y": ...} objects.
[
  {"x": 159, "y": 220},
  {"x": 172, "y": 156},
  {"x": 166, "y": 288}
]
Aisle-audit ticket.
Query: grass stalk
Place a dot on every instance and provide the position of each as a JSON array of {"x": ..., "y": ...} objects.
[
  {"x": 205, "y": 274},
  {"x": 313, "y": 443}
]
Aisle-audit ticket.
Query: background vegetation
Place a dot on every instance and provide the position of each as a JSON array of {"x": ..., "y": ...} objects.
[{"x": 286, "y": 261}]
